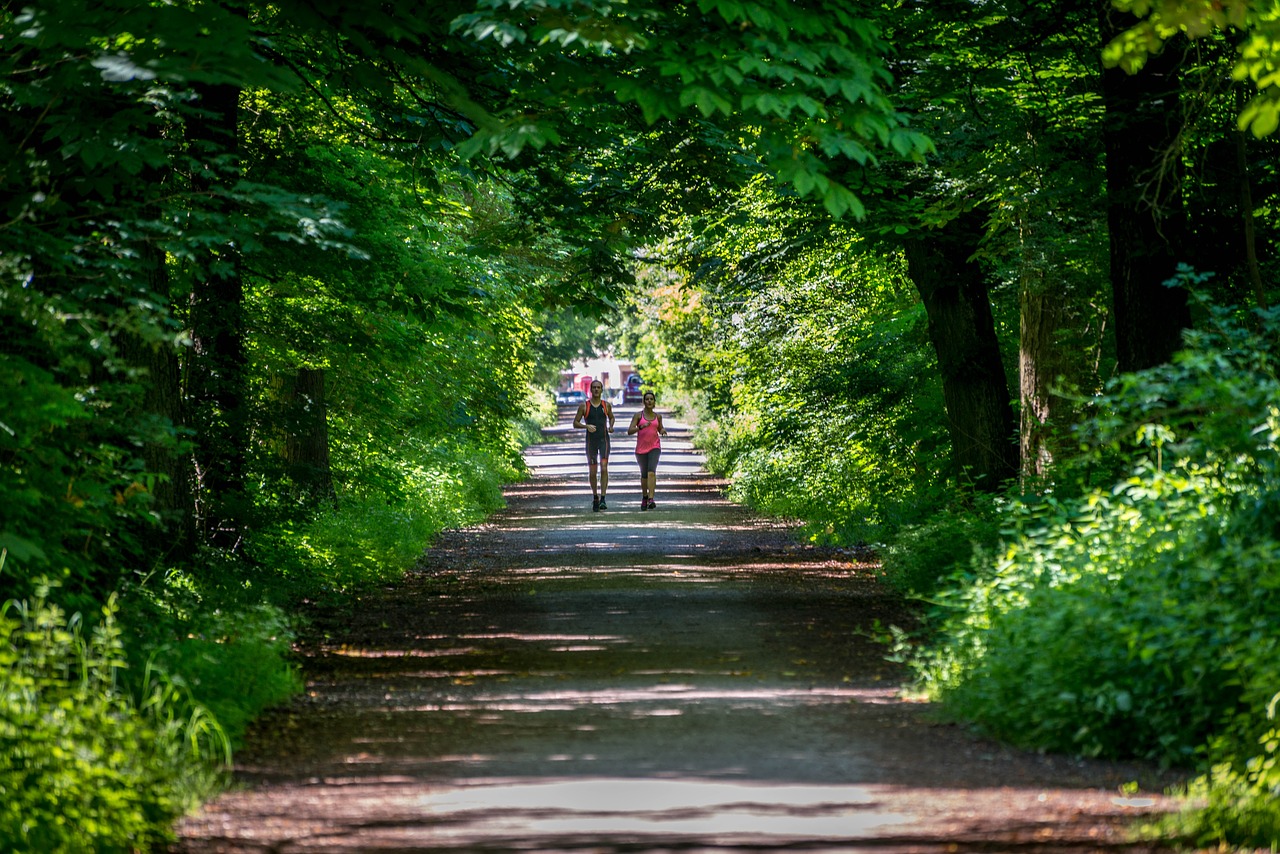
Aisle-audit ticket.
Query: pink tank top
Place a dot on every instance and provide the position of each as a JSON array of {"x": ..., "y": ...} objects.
[{"x": 647, "y": 437}]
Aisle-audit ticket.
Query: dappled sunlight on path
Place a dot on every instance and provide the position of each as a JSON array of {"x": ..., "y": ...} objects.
[{"x": 689, "y": 678}]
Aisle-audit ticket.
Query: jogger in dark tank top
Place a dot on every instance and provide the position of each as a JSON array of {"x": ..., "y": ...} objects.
[{"x": 596, "y": 417}]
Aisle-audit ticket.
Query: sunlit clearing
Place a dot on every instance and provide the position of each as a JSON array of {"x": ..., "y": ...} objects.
[
  {"x": 658, "y": 696},
  {"x": 666, "y": 807}
]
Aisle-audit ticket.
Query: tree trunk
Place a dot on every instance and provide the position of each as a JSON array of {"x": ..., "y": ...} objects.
[
  {"x": 1246, "y": 218},
  {"x": 307, "y": 442},
  {"x": 1145, "y": 217},
  {"x": 216, "y": 383},
  {"x": 1038, "y": 366},
  {"x": 162, "y": 401},
  {"x": 974, "y": 386}
]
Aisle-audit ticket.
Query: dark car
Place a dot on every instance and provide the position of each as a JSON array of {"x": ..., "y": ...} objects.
[{"x": 631, "y": 392}]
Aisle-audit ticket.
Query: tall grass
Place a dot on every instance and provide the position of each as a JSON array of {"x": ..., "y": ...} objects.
[{"x": 84, "y": 767}]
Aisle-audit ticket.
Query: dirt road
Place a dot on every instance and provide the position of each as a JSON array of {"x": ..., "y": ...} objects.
[{"x": 684, "y": 679}]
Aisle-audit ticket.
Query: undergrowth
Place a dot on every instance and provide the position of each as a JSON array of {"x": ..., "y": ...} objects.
[
  {"x": 1235, "y": 804},
  {"x": 371, "y": 538},
  {"x": 1139, "y": 618},
  {"x": 84, "y": 765}
]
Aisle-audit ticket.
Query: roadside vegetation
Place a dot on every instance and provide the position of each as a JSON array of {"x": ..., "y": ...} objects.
[{"x": 280, "y": 306}]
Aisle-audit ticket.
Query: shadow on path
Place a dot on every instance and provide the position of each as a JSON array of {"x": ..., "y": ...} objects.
[{"x": 684, "y": 679}]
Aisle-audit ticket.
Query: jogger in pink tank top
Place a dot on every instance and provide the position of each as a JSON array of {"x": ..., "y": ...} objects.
[{"x": 647, "y": 427}]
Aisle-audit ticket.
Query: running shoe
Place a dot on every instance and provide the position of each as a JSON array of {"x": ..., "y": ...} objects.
[
  {"x": 603, "y": 506},
  {"x": 653, "y": 505},
  {"x": 595, "y": 504}
]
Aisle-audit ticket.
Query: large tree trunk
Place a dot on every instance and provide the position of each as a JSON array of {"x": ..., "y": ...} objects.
[
  {"x": 216, "y": 382},
  {"x": 1039, "y": 317},
  {"x": 1041, "y": 297},
  {"x": 974, "y": 386},
  {"x": 1246, "y": 218},
  {"x": 307, "y": 442},
  {"x": 162, "y": 401},
  {"x": 1141, "y": 135}
]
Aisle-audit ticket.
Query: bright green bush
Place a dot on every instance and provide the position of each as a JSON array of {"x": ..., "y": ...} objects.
[
  {"x": 835, "y": 421},
  {"x": 723, "y": 442},
  {"x": 1130, "y": 627},
  {"x": 231, "y": 656},
  {"x": 1140, "y": 619},
  {"x": 1234, "y": 802},
  {"x": 847, "y": 477},
  {"x": 374, "y": 538},
  {"x": 83, "y": 767},
  {"x": 539, "y": 411}
]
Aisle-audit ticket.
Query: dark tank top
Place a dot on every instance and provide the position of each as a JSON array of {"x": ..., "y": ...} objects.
[{"x": 596, "y": 415}]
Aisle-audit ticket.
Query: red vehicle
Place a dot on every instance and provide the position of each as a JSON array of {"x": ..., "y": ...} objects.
[{"x": 631, "y": 392}]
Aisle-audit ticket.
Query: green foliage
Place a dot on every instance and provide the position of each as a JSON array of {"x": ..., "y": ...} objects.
[
  {"x": 539, "y": 411},
  {"x": 1163, "y": 20},
  {"x": 1259, "y": 57},
  {"x": 228, "y": 651},
  {"x": 79, "y": 501},
  {"x": 800, "y": 86},
  {"x": 922, "y": 557},
  {"x": 1260, "y": 64},
  {"x": 822, "y": 396},
  {"x": 443, "y": 279},
  {"x": 374, "y": 537},
  {"x": 83, "y": 767},
  {"x": 1235, "y": 804},
  {"x": 419, "y": 313},
  {"x": 1137, "y": 620},
  {"x": 564, "y": 336},
  {"x": 97, "y": 199},
  {"x": 1114, "y": 630}
]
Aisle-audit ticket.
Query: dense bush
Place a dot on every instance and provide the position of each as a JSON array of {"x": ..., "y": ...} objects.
[
  {"x": 83, "y": 766},
  {"x": 230, "y": 649},
  {"x": 374, "y": 537},
  {"x": 539, "y": 410},
  {"x": 1236, "y": 802},
  {"x": 1131, "y": 625},
  {"x": 1139, "y": 619},
  {"x": 925, "y": 555}
]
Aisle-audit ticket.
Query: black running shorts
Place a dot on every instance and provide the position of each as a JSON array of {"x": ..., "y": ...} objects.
[{"x": 598, "y": 446}]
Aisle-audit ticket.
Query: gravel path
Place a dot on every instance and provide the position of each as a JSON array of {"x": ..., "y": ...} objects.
[{"x": 685, "y": 679}]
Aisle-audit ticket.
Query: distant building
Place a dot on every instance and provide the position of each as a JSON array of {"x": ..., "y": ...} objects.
[{"x": 613, "y": 373}]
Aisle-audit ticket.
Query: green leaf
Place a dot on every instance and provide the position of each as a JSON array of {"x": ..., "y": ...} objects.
[
  {"x": 19, "y": 548},
  {"x": 1261, "y": 116},
  {"x": 707, "y": 101},
  {"x": 751, "y": 64},
  {"x": 839, "y": 200}
]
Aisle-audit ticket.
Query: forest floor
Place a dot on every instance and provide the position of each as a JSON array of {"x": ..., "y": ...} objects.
[{"x": 690, "y": 678}]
